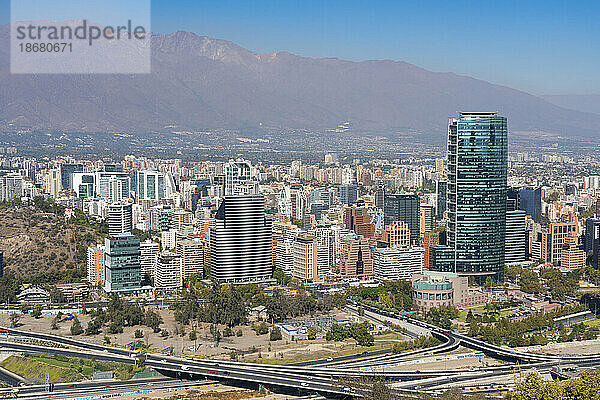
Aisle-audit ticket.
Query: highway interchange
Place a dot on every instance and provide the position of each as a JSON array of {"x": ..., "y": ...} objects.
[{"x": 327, "y": 377}]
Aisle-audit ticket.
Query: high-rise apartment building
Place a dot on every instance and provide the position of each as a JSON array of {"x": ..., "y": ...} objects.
[
  {"x": 357, "y": 219},
  {"x": 148, "y": 256},
  {"x": 427, "y": 218},
  {"x": 476, "y": 205},
  {"x": 122, "y": 263},
  {"x": 168, "y": 271},
  {"x": 11, "y": 186},
  {"x": 240, "y": 241},
  {"x": 168, "y": 239},
  {"x": 95, "y": 265},
  {"x": 191, "y": 253},
  {"x": 120, "y": 218},
  {"x": 305, "y": 258},
  {"x": 324, "y": 250}
]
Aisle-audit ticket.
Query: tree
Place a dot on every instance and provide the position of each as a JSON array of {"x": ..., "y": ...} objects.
[
  {"x": 93, "y": 327},
  {"x": 275, "y": 334},
  {"x": 312, "y": 333},
  {"x": 138, "y": 334},
  {"x": 560, "y": 286},
  {"x": 442, "y": 316},
  {"x": 529, "y": 282},
  {"x": 153, "y": 320},
  {"x": 260, "y": 329},
  {"x": 192, "y": 335},
  {"x": 37, "y": 311},
  {"x": 216, "y": 334},
  {"x": 281, "y": 277},
  {"x": 115, "y": 327},
  {"x": 76, "y": 328},
  {"x": 14, "y": 319}
]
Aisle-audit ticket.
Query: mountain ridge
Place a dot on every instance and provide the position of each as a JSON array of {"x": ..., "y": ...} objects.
[{"x": 200, "y": 83}]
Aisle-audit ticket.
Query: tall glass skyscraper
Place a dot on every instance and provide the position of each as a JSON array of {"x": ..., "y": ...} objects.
[{"x": 476, "y": 203}]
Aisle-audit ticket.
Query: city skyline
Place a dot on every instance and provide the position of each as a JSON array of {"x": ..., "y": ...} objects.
[{"x": 299, "y": 200}]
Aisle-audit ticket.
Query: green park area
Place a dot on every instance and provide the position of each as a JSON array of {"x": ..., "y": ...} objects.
[{"x": 38, "y": 367}]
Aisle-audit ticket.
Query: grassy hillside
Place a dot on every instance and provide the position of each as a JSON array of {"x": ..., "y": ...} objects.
[{"x": 36, "y": 371}]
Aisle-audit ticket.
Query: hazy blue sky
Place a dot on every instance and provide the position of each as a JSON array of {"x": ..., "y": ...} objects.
[{"x": 544, "y": 47}]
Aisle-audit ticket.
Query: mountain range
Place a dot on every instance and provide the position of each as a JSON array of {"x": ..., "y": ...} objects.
[{"x": 199, "y": 83}]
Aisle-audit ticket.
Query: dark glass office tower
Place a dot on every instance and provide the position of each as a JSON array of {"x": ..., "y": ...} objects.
[
  {"x": 592, "y": 240},
  {"x": 477, "y": 164},
  {"x": 441, "y": 188},
  {"x": 531, "y": 203},
  {"x": 404, "y": 207}
]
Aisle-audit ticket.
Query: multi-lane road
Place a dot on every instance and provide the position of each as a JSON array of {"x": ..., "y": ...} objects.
[{"x": 325, "y": 377}]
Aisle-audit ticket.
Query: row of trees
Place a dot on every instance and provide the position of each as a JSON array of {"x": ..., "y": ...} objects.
[
  {"x": 358, "y": 331},
  {"x": 549, "y": 280},
  {"x": 421, "y": 342},
  {"x": 389, "y": 294},
  {"x": 10, "y": 283},
  {"x": 534, "y": 387},
  {"x": 520, "y": 333},
  {"x": 442, "y": 316},
  {"x": 229, "y": 305},
  {"x": 120, "y": 313},
  {"x": 281, "y": 306}
]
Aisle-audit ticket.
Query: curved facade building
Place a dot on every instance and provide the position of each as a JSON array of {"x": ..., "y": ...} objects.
[
  {"x": 476, "y": 202},
  {"x": 240, "y": 241}
]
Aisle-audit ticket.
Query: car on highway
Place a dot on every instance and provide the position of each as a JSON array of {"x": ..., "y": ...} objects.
[
  {"x": 185, "y": 367},
  {"x": 330, "y": 359},
  {"x": 304, "y": 384}
]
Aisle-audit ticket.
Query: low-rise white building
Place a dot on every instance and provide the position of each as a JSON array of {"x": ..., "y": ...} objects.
[
  {"x": 394, "y": 263},
  {"x": 433, "y": 289}
]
